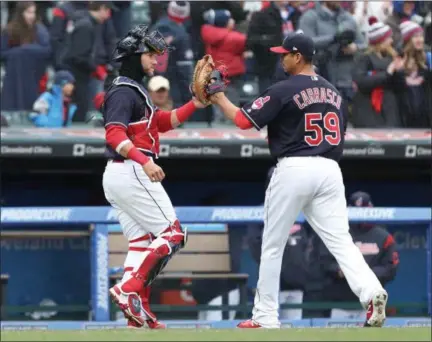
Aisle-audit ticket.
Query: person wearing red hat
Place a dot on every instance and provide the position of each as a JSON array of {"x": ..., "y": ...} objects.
[{"x": 377, "y": 75}]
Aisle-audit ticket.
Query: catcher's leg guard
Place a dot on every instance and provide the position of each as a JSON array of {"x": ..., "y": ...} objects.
[
  {"x": 153, "y": 261},
  {"x": 131, "y": 302}
]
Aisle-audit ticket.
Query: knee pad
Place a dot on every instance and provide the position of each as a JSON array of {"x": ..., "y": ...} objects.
[
  {"x": 175, "y": 235},
  {"x": 162, "y": 249}
]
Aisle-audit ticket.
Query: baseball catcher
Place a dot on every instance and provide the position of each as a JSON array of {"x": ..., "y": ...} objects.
[{"x": 132, "y": 179}]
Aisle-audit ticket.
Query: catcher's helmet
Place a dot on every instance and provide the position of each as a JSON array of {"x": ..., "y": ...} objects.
[{"x": 138, "y": 41}]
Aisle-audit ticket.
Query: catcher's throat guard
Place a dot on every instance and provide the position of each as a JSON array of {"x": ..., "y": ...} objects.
[{"x": 139, "y": 40}]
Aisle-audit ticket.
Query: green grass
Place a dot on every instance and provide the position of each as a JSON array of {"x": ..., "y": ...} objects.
[{"x": 294, "y": 334}]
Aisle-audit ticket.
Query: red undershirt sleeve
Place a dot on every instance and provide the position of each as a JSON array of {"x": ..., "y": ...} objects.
[
  {"x": 163, "y": 121},
  {"x": 241, "y": 121},
  {"x": 164, "y": 117},
  {"x": 116, "y": 137}
]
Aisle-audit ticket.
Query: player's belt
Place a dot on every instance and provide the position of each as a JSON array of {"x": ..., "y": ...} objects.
[{"x": 148, "y": 154}]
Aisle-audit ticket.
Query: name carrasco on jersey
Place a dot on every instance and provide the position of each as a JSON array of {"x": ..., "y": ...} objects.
[{"x": 303, "y": 116}]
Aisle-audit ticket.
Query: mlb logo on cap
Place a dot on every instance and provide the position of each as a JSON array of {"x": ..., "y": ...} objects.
[{"x": 296, "y": 42}]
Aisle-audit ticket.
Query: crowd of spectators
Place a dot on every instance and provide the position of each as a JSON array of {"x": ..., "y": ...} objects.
[{"x": 56, "y": 55}]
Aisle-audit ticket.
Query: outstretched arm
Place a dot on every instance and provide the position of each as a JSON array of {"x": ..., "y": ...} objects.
[
  {"x": 169, "y": 120},
  {"x": 231, "y": 111},
  {"x": 257, "y": 113}
]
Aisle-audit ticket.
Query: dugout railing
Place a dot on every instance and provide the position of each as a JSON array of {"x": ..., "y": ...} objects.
[{"x": 101, "y": 219}]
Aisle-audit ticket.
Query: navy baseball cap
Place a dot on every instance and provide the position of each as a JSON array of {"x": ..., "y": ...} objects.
[
  {"x": 296, "y": 42},
  {"x": 360, "y": 199}
]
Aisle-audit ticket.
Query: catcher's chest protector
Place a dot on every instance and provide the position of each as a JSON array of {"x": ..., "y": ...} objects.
[
  {"x": 147, "y": 108},
  {"x": 142, "y": 128}
]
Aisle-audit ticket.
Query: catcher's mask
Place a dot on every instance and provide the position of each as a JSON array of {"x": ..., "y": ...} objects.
[{"x": 139, "y": 41}]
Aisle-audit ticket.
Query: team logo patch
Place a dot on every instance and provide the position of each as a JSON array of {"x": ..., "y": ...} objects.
[{"x": 259, "y": 102}]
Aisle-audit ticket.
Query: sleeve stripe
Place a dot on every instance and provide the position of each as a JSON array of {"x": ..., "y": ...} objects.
[
  {"x": 116, "y": 123},
  {"x": 251, "y": 120},
  {"x": 120, "y": 146}
]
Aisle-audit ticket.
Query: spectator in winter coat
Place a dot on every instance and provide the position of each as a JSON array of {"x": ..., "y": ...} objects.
[
  {"x": 267, "y": 28},
  {"x": 64, "y": 16},
  {"x": 177, "y": 65},
  {"x": 416, "y": 96},
  {"x": 226, "y": 47},
  {"x": 81, "y": 55},
  {"x": 54, "y": 108},
  {"x": 224, "y": 43},
  {"x": 122, "y": 17},
  {"x": 42, "y": 8},
  {"x": 403, "y": 11},
  {"x": 377, "y": 75},
  {"x": 197, "y": 19},
  {"x": 337, "y": 39},
  {"x": 25, "y": 50}
]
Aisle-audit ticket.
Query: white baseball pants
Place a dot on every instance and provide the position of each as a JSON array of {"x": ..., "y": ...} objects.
[
  {"x": 143, "y": 206},
  {"x": 313, "y": 185}
]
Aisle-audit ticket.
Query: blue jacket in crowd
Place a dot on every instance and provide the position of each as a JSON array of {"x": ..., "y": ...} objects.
[{"x": 54, "y": 117}]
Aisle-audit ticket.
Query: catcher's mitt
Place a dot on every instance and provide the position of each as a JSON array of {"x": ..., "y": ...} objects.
[{"x": 207, "y": 79}]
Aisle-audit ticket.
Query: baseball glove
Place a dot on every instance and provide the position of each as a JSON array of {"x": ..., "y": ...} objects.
[{"x": 207, "y": 79}]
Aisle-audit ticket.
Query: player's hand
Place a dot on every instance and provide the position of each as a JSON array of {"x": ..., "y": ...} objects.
[
  {"x": 215, "y": 98},
  {"x": 198, "y": 104},
  {"x": 153, "y": 171}
]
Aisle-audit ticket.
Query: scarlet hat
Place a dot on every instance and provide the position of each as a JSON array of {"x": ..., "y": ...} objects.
[
  {"x": 378, "y": 32},
  {"x": 296, "y": 42},
  {"x": 409, "y": 29}
]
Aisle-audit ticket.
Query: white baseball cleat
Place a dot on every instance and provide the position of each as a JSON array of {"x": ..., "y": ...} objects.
[{"x": 376, "y": 310}]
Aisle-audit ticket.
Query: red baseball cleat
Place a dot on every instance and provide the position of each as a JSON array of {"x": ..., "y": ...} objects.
[
  {"x": 156, "y": 325},
  {"x": 249, "y": 324},
  {"x": 130, "y": 304},
  {"x": 132, "y": 324},
  {"x": 376, "y": 310}
]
